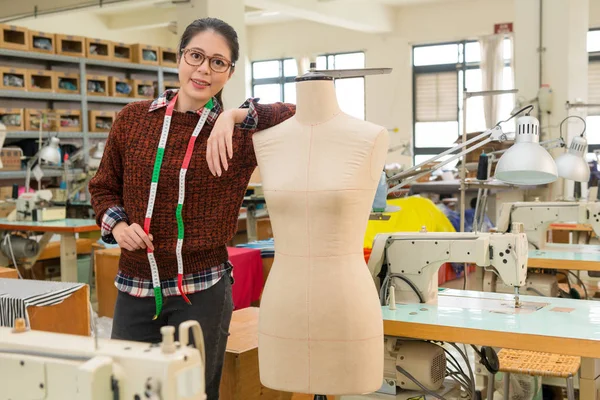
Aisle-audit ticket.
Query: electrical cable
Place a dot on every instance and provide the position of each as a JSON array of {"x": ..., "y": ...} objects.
[
  {"x": 419, "y": 384},
  {"x": 384, "y": 287},
  {"x": 12, "y": 255},
  {"x": 566, "y": 276},
  {"x": 581, "y": 283},
  {"x": 471, "y": 374},
  {"x": 573, "y": 116},
  {"x": 534, "y": 290}
]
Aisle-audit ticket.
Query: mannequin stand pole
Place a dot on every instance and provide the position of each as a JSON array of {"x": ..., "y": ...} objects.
[{"x": 320, "y": 397}]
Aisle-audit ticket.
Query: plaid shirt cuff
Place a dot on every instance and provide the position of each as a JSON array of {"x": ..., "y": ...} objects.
[
  {"x": 251, "y": 120},
  {"x": 111, "y": 217}
]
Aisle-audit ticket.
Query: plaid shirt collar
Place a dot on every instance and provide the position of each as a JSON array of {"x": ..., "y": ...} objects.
[{"x": 168, "y": 94}]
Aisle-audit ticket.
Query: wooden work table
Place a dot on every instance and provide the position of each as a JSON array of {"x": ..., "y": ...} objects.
[
  {"x": 566, "y": 256},
  {"x": 562, "y": 326}
]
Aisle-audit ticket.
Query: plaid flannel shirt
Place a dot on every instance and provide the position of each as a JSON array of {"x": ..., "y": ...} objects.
[{"x": 193, "y": 282}]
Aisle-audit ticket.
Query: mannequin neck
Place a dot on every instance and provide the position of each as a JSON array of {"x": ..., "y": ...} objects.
[{"x": 316, "y": 101}]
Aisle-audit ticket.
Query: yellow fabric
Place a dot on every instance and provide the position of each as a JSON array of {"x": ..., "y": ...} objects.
[{"x": 415, "y": 212}]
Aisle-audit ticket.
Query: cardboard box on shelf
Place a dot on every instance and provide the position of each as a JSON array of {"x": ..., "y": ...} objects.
[
  {"x": 67, "y": 82},
  {"x": 41, "y": 81},
  {"x": 13, "y": 78},
  {"x": 145, "y": 54},
  {"x": 119, "y": 87},
  {"x": 122, "y": 52},
  {"x": 144, "y": 89},
  {"x": 14, "y": 37},
  {"x": 11, "y": 158},
  {"x": 99, "y": 49},
  {"x": 34, "y": 116},
  {"x": 69, "y": 120},
  {"x": 168, "y": 57},
  {"x": 42, "y": 42},
  {"x": 97, "y": 85},
  {"x": 69, "y": 45},
  {"x": 101, "y": 121},
  {"x": 12, "y": 118}
]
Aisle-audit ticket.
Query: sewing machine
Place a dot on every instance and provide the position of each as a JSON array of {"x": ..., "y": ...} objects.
[
  {"x": 37, "y": 206},
  {"x": 411, "y": 260},
  {"x": 43, "y": 365},
  {"x": 536, "y": 217}
]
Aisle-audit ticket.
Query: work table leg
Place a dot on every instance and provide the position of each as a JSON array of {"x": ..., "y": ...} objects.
[
  {"x": 68, "y": 257},
  {"x": 589, "y": 379}
]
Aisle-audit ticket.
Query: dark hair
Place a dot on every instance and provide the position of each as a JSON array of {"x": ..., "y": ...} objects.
[{"x": 220, "y": 27}]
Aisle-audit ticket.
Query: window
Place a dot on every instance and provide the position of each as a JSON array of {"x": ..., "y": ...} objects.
[
  {"x": 350, "y": 91},
  {"x": 441, "y": 72},
  {"x": 593, "y": 113},
  {"x": 273, "y": 80}
]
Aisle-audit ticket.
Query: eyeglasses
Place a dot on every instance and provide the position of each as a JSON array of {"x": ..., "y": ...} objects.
[{"x": 196, "y": 58}]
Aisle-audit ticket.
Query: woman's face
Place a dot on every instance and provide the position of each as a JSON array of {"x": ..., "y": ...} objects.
[{"x": 201, "y": 82}]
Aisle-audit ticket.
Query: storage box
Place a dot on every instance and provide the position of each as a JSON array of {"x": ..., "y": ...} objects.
[
  {"x": 119, "y": 87},
  {"x": 13, "y": 78},
  {"x": 101, "y": 121},
  {"x": 33, "y": 118},
  {"x": 69, "y": 120},
  {"x": 42, "y": 42},
  {"x": 67, "y": 82},
  {"x": 99, "y": 49},
  {"x": 144, "y": 89},
  {"x": 168, "y": 57},
  {"x": 145, "y": 54},
  {"x": 122, "y": 52},
  {"x": 97, "y": 85},
  {"x": 11, "y": 158},
  {"x": 12, "y": 118},
  {"x": 68, "y": 45},
  {"x": 14, "y": 37},
  {"x": 172, "y": 85},
  {"x": 41, "y": 81}
]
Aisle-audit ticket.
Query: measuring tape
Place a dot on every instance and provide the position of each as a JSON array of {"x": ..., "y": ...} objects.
[{"x": 178, "y": 213}]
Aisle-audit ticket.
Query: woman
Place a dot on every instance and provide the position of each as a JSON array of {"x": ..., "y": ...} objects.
[{"x": 161, "y": 194}]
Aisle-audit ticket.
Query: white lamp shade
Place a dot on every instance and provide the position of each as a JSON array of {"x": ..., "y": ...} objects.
[
  {"x": 99, "y": 152},
  {"x": 572, "y": 165},
  {"x": 51, "y": 153},
  {"x": 526, "y": 162}
]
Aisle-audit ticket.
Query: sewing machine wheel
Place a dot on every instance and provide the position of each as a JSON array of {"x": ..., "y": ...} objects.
[{"x": 489, "y": 359}]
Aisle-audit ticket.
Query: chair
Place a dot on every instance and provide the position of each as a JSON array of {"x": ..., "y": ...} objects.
[{"x": 538, "y": 364}]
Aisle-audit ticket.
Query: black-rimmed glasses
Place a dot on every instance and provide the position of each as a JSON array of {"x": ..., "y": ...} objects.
[{"x": 195, "y": 58}]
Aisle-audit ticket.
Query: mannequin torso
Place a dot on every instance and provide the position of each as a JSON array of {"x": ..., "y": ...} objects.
[{"x": 320, "y": 328}]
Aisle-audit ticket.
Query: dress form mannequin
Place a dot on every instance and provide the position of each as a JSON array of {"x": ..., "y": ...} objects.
[{"x": 320, "y": 324}]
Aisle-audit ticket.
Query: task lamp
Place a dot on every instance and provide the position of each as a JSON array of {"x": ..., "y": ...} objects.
[
  {"x": 49, "y": 154},
  {"x": 95, "y": 155},
  {"x": 528, "y": 163},
  {"x": 572, "y": 164}
]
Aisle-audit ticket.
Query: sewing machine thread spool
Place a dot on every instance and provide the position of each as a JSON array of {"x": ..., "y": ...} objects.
[
  {"x": 482, "y": 167},
  {"x": 392, "y": 302},
  {"x": 168, "y": 339}
]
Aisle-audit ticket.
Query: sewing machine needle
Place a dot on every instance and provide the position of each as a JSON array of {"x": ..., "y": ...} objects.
[{"x": 517, "y": 301}]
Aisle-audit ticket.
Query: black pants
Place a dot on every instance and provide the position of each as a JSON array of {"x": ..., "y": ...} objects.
[{"x": 212, "y": 308}]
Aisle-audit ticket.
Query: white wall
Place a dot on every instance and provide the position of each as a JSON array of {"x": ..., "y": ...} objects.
[
  {"x": 388, "y": 97},
  {"x": 87, "y": 24}
]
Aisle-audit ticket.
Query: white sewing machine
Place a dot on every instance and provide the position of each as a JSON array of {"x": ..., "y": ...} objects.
[
  {"x": 36, "y": 206},
  {"x": 411, "y": 260},
  {"x": 536, "y": 217},
  {"x": 51, "y": 366}
]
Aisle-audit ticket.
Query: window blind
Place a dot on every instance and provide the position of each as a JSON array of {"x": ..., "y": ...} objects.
[
  {"x": 436, "y": 96},
  {"x": 594, "y": 86}
]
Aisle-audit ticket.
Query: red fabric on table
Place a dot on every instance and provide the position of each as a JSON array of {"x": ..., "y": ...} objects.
[{"x": 248, "y": 276}]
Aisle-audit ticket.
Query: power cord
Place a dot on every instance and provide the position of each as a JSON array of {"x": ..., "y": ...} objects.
[{"x": 12, "y": 255}]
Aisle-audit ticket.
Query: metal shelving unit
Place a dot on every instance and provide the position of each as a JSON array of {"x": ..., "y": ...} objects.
[
  {"x": 83, "y": 98},
  {"x": 50, "y": 173}
]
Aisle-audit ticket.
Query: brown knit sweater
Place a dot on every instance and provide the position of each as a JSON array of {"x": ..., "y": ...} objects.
[{"x": 212, "y": 203}]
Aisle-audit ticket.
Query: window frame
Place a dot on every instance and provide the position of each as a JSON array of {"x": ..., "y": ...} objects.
[
  {"x": 281, "y": 80},
  {"x": 460, "y": 67},
  {"x": 326, "y": 55},
  {"x": 593, "y": 57}
]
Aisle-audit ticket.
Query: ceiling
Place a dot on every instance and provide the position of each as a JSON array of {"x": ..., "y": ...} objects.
[{"x": 375, "y": 16}]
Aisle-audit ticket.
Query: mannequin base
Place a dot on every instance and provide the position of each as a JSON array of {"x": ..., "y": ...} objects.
[{"x": 320, "y": 397}]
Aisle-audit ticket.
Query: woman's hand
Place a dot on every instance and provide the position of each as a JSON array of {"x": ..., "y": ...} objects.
[
  {"x": 131, "y": 237},
  {"x": 219, "y": 146}
]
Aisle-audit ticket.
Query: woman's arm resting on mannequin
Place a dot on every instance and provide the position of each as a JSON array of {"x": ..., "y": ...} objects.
[{"x": 252, "y": 116}]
